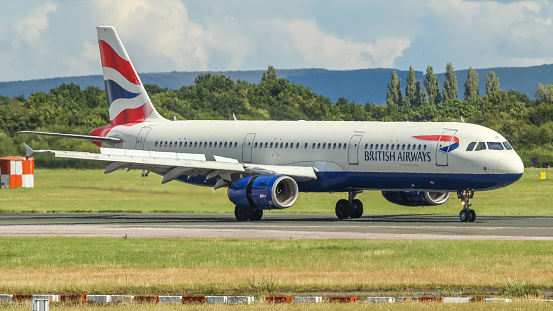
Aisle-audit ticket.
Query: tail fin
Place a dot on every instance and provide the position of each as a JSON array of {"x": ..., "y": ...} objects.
[{"x": 127, "y": 99}]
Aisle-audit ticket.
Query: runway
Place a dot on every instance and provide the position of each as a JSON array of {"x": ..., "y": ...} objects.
[{"x": 275, "y": 226}]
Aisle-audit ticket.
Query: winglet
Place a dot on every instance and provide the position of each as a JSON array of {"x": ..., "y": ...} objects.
[{"x": 29, "y": 150}]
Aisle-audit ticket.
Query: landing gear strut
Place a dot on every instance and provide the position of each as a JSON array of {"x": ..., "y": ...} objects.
[
  {"x": 467, "y": 214},
  {"x": 243, "y": 214},
  {"x": 350, "y": 208}
]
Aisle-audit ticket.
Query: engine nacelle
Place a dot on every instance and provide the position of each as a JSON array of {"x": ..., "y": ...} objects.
[
  {"x": 416, "y": 198},
  {"x": 263, "y": 192}
]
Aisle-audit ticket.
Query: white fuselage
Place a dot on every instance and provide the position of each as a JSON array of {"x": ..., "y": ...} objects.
[{"x": 347, "y": 155}]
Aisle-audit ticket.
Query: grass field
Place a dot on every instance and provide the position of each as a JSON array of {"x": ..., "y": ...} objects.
[
  {"x": 257, "y": 267},
  {"x": 93, "y": 191},
  {"x": 277, "y": 307}
]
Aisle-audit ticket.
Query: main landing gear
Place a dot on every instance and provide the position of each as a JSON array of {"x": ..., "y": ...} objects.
[
  {"x": 243, "y": 214},
  {"x": 350, "y": 208},
  {"x": 466, "y": 214}
]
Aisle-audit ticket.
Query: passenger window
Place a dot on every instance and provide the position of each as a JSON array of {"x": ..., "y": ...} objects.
[
  {"x": 281, "y": 144},
  {"x": 507, "y": 145},
  {"x": 408, "y": 146},
  {"x": 334, "y": 146},
  {"x": 305, "y": 145},
  {"x": 319, "y": 146},
  {"x": 397, "y": 146},
  {"x": 495, "y": 146},
  {"x": 286, "y": 145},
  {"x": 345, "y": 145},
  {"x": 381, "y": 146},
  {"x": 366, "y": 146},
  {"x": 170, "y": 144},
  {"x": 271, "y": 145},
  {"x": 155, "y": 145},
  {"x": 392, "y": 147},
  {"x": 313, "y": 147},
  {"x": 480, "y": 146},
  {"x": 324, "y": 144},
  {"x": 175, "y": 145},
  {"x": 255, "y": 145},
  {"x": 266, "y": 145},
  {"x": 424, "y": 147},
  {"x": 387, "y": 145},
  {"x": 470, "y": 147},
  {"x": 376, "y": 147},
  {"x": 225, "y": 144},
  {"x": 210, "y": 144},
  {"x": 419, "y": 147},
  {"x": 339, "y": 145},
  {"x": 371, "y": 147},
  {"x": 297, "y": 145},
  {"x": 235, "y": 144},
  {"x": 403, "y": 147}
]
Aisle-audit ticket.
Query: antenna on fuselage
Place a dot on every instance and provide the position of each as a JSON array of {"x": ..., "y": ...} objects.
[
  {"x": 462, "y": 119},
  {"x": 234, "y": 116}
]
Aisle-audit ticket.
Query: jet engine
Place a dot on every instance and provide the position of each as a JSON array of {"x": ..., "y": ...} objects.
[
  {"x": 263, "y": 192},
  {"x": 416, "y": 198}
]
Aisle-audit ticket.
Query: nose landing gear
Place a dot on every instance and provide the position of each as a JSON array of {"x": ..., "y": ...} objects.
[
  {"x": 467, "y": 214},
  {"x": 350, "y": 208}
]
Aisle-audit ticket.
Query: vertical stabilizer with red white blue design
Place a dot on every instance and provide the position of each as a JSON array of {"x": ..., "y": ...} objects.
[{"x": 127, "y": 99}]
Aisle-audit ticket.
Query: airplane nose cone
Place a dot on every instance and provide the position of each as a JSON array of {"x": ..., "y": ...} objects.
[{"x": 510, "y": 165}]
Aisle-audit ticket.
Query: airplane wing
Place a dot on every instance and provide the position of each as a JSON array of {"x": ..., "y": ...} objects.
[
  {"x": 86, "y": 137},
  {"x": 173, "y": 164}
]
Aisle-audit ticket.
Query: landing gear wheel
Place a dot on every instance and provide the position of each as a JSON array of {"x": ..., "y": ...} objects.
[
  {"x": 357, "y": 207},
  {"x": 472, "y": 217},
  {"x": 343, "y": 209},
  {"x": 256, "y": 215},
  {"x": 467, "y": 214},
  {"x": 242, "y": 214},
  {"x": 463, "y": 216}
]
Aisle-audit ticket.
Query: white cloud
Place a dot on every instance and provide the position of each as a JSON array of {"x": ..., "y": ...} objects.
[
  {"x": 160, "y": 28},
  {"x": 303, "y": 39},
  {"x": 29, "y": 28}
]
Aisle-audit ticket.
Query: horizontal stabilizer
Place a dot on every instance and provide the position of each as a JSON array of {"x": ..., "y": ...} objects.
[{"x": 86, "y": 137}]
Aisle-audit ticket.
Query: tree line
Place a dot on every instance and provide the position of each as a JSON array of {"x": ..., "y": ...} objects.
[{"x": 527, "y": 123}]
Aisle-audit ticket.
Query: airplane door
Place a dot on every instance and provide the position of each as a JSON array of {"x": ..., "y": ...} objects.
[
  {"x": 353, "y": 149},
  {"x": 141, "y": 138},
  {"x": 442, "y": 149},
  {"x": 247, "y": 148}
]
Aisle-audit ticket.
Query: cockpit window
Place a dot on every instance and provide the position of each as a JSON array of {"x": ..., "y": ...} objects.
[
  {"x": 480, "y": 146},
  {"x": 495, "y": 146},
  {"x": 507, "y": 145},
  {"x": 471, "y": 146}
]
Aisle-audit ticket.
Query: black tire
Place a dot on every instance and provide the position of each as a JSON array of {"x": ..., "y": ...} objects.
[
  {"x": 242, "y": 214},
  {"x": 463, "y": 216},
  {"x": 472, "y": 215},
  {"x": 256, "y": 215},
  {"x": 343, "y": 210},
  {"x": 357, "y": 209}
]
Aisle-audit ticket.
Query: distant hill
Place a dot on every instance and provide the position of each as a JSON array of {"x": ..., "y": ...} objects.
[{"x": 361, "y": 86}]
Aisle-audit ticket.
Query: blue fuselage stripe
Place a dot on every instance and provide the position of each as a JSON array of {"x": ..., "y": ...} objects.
[{"x": 345, "y": 181}]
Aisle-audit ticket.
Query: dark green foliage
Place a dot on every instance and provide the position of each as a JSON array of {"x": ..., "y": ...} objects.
[
  {"x": 412, "y": 95},
  {"x": 393, "y": 95},
  {"x": 492, "y": 83},
  {"x": 526, "y": 123},
  {"x": 471, "y": 86},
  {"x": 450, "y": 85},
  {"x": 432, "y": 87}
]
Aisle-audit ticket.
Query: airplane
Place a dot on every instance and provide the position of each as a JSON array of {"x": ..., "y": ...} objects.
[{"x": 265, "y": 164}]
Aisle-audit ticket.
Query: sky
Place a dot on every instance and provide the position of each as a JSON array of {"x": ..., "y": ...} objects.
[{"x": 57, "y": 38}]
